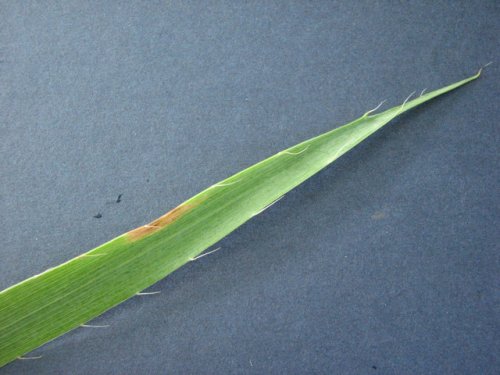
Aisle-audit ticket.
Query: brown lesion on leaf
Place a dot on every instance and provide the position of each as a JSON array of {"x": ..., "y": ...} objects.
[{"x": 161, "y": 222}]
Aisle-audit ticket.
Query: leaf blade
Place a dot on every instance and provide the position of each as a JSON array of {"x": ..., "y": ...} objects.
[{"x": 58, "y": 300}]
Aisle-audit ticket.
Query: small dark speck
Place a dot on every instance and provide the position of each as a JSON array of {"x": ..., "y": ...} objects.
[
  {"x": 119, "y": 199},
  {"x": 98, "y": 216},
  {"x": 374, "y": 367},
  {"x": 147, "y": 179}
]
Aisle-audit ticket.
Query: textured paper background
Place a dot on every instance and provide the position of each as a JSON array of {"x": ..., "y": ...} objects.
[{"x": 386, "y": 262}]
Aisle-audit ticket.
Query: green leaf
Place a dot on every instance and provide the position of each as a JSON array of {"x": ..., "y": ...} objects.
[{"x": 63, "y": 298}]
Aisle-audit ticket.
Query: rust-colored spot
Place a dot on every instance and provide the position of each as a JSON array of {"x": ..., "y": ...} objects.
[{"x": 161, "y": 222}]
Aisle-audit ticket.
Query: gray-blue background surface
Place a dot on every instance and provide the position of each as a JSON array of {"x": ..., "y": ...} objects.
[{"x": 385, "y": 262}]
